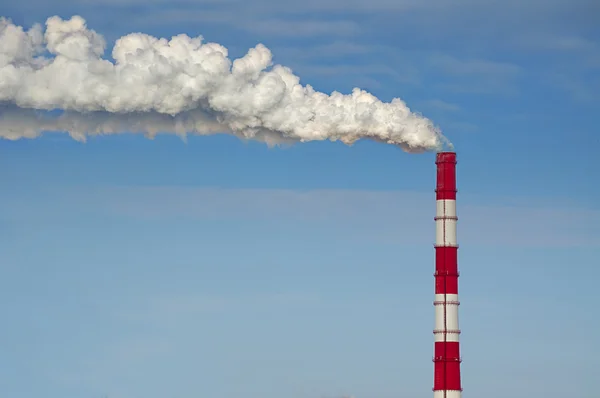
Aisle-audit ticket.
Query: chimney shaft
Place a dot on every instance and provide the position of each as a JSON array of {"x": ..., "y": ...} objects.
[{"x": 447, "y": 379}]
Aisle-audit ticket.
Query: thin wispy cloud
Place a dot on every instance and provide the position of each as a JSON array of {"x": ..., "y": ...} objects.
[
  {"x": 475, "y": 76},
  {"x": 392, "y": 217},
  {"x": 563, "y": 43},
  {"x": 377, "y": 5},
  {"x": 465, "y": 127},
  {"x": 261, "y": 24},
  {"x": 334, "y": 49},
  {"x": 305, "y": 28},
  {"x": 578, "y": 88},
  {"x": 406, "y": 76},
  {"x": 479, "y": 67},
  {"x": 437, "y": 104},
  {"x": 164, "y": 308},
  {"x": 395, "y": 216}
]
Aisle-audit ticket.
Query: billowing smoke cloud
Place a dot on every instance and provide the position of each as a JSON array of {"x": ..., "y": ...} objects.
[{"x": 182, "y": 85}]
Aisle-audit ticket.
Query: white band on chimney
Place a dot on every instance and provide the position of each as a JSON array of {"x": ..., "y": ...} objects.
[
  {"x": 445, "y": 223},
  {"x": 451, "y": 328},
  {"x": 451, "y": 336},
  {"x": 446, "y": 207},
  {"x": 446, "y": 394},
  {"x": 448, "y": 311},
  {"x": 446, "y": 297}
]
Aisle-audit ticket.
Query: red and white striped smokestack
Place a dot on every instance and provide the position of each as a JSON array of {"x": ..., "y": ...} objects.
[{"x": 446, "y": 380}]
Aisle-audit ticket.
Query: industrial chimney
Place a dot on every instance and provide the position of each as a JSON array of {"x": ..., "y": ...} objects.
[{"x": 446, "y": 380}]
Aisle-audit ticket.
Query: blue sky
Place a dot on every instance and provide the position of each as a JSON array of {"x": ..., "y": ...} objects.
[{"x": 217, "y": 268}]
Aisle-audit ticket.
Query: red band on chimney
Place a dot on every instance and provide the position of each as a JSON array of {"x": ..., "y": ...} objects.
[
  {"x": 446, "y": 270},
  {"x": 446, "y": 175}
]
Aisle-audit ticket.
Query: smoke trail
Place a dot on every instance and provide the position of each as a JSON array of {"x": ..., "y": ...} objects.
[
  {"x": 182, "y": 85},
  {"x": 17, "y": 123}
]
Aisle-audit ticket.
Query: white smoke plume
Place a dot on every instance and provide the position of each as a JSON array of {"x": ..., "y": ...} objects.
[{"x": 182, "y": 85}]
